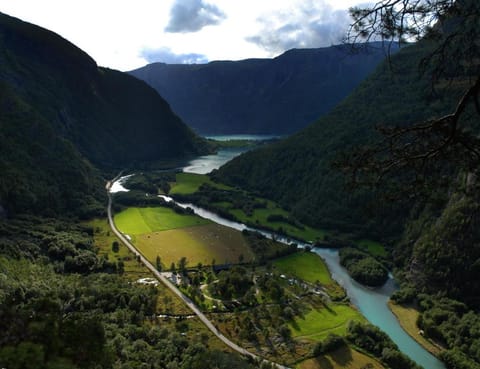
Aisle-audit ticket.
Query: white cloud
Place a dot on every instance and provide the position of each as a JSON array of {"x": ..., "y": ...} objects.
[
  {"x": 192, "y": 16},
  {"x": 308, "y": 24},
  {"x": 125, "y": 34}
]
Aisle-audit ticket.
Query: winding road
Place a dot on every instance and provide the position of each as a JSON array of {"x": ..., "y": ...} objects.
[{"x": 176, "y": 291}]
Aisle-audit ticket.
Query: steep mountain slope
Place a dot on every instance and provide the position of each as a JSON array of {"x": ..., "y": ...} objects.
[
  {"x": 60, "y": 112},
  {"x": 280, "y": 95},
  {"x": 298, "y": 171}
]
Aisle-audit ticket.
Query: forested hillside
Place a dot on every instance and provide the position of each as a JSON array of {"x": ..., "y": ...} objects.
[
  {"x": 62, "y": 304},
  {"x": 60, "y": 113},
  {"x": 298, "y": 171},
  {"x": 279, "y": 96}
]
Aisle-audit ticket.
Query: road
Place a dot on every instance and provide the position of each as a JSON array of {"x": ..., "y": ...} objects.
[{"x": 177, "y": 292}]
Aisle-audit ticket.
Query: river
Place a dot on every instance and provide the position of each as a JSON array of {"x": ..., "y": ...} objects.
[
  {"x": 205, "y": 164},
  {"x": 371, "y": 302}
]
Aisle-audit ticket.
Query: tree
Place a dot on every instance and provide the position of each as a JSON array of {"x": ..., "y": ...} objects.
[
  {"x": 416, "y": 150},
  {"x": 172, "y": 267},
  {"x": 158, "y": 262},
  {"x": 182, "y": 265},
  {"x": 115, "y": 246}
]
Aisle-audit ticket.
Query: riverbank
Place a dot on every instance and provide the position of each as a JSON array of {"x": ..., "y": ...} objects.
[{"x": 407, "y": 318}]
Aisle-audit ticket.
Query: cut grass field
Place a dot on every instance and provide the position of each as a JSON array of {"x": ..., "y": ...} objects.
[
  {"x": 188, "y": 183},
  {"x": 162, "y": 232},
  {"x": 136, "y": 221},
  {"x": 317, "y": 324},
  {"x": 304, "y": 265},
  {"x": 198, "y": 244},
  {"x": 260, "y": 218},
  {"x": 342, "y": 358},
  {"x": 407, "y": 317}
]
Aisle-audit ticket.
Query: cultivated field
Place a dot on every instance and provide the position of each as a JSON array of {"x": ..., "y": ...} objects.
[
  {"x": 162, "y": 232},
  {"x": 198, "y": 244},
  {"x": 136, "y": 221}
]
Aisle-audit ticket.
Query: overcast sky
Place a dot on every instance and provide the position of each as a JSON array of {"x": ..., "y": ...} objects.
[{"x": 127, "y": 34}]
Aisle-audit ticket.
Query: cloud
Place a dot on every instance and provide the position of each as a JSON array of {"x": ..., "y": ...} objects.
[
  {"x": 310, "y": 24},
  {"x": 165, "y": 55},
  {"x": 192, "y": 15}
]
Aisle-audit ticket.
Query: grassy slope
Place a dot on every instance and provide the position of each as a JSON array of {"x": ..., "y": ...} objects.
[
  {"x": 187, "y": 183},
  {"x": 304, "y": 265},
  {"x": 318, "y": 323}
]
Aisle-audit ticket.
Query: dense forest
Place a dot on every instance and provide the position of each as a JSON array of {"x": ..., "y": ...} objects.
[
  {"x": 427, "y": 212},
  {"x": 61, "y": 114},
  {"x": 298, "y": 171},
  {"x": 65, "y": 125}
]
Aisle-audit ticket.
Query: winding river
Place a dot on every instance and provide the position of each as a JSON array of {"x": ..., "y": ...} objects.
[{"x": 371, "y": 302}]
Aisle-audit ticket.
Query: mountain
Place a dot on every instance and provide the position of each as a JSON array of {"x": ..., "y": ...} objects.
[
  {"x": 62, "y": 115},
  {"x": 297, "y": 171},
  {"x": 279, "y": 96}
]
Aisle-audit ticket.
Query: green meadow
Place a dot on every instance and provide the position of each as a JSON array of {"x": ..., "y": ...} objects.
[
  {"x": 162, "y": 232},
  {"x": 318, "y": 323},
  {"x": 198, "y": 244},
  {"x": 373, "y": 248},
  {"x": 188, "y": 183},
  {"x": 136, "y": 221},
  {"x": 304, "y": 265}
]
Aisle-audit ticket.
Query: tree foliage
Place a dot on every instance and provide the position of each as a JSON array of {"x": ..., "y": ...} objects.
[{"x": 416, "y": 151}]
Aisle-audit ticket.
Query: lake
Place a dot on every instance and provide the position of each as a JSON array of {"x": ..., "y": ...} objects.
[{"x": 205, "y": 164}]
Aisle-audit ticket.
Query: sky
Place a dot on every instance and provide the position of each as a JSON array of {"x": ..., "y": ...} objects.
[{"x": 126, "y": 34}]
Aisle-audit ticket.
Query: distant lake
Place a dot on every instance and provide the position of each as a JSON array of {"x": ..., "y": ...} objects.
[{"x": 205, "y": 164}]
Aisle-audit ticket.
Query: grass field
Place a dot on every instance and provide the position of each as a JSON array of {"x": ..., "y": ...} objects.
[
  {"x": 260, "y": 217},
  {"x": 343, "y": 358},
  {"x": 198, "y": 244},
  {"x": 304, "y": 265},
  {"x": 407, "y": 317},
  {"x": 318, "y": 323},
  {"x": 188, "y": 183},
  {"x": 373, "y": 248},
  {"x": 136, "y": 221}
]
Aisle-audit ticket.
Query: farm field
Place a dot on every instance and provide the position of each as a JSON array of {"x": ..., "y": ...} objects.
[
  {"x": 162, "y": 232},
  {"x": 200, "y": 244},
  {"x": 136, "y": 221}
]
